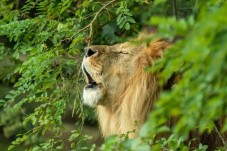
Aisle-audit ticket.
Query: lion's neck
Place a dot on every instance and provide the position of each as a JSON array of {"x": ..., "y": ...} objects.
[
  {"x": 129, "y": 110},
  {"x": 111, "y": 122}
]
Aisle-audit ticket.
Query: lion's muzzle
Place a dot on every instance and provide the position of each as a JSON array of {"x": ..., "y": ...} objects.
[
  {"x": 91, "y": 83},
  {"x": 93, "y": 91}
]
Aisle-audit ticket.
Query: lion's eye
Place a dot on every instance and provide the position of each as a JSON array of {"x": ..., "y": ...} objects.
[{"x": 122, "y": 52}]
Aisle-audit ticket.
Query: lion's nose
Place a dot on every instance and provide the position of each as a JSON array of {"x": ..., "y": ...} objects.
[{"x": 90, "y": 52}]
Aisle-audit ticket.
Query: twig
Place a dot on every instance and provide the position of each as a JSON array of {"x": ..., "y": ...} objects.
[
  {"x": 223, "y": 141},
  {"x": 93, "y": 20}
]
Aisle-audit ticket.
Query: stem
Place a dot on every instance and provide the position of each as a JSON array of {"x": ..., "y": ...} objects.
[{"x": 223, "y": 141}]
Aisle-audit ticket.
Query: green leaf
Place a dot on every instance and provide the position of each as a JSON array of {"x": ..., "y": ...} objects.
[
  {"x": 131, "y": 20},
  {"x": 18, "y": 141},
  {"x": 119, "y": 19},
  {"x": 127, "y": 26},
  {"x": 122, "y": 21},
  {"x": 9, "y": 96},
  {"x": 127, "y": 13},
  {"x": 2, "y": 102}
]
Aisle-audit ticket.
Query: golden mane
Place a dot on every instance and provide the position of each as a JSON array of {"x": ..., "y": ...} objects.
[{"x": 135, "y": 99}]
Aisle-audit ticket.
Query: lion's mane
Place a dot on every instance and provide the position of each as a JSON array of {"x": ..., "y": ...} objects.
[{"x": 136, "y": 98}]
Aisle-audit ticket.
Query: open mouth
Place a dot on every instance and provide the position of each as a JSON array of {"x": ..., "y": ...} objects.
[{"x": 91, "y": 82}]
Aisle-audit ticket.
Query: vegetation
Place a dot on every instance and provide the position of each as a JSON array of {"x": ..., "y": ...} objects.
[{"x": 41, "y": 47}]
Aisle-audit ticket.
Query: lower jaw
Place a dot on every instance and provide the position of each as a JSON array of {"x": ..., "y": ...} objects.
[{"x": 91, "y": 96}]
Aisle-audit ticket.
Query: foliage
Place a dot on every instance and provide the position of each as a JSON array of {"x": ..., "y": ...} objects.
[
  {"x": 44, "y": 41},
  {"x": 199, "y": 97}
]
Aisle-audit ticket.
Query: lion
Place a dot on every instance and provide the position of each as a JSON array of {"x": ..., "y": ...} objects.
[{"x": 118, "y": 86}]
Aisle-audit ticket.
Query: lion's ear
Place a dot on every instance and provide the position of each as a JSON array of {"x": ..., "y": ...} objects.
[{"x": 156, "y": 48}]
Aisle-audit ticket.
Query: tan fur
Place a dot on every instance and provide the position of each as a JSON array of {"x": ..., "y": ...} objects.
[{"x": 126, "y": 105}]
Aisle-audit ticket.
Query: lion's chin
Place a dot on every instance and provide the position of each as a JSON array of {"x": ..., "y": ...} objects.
[{"x": 92, "y": 95}]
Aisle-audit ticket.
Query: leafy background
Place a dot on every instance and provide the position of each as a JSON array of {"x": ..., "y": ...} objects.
[{"x": 41, "y": 47}]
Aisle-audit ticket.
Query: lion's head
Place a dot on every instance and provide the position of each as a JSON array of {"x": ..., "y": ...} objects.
[
  {"x": 118, "y": 84},
  {"x": 106, "y": 69}
]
